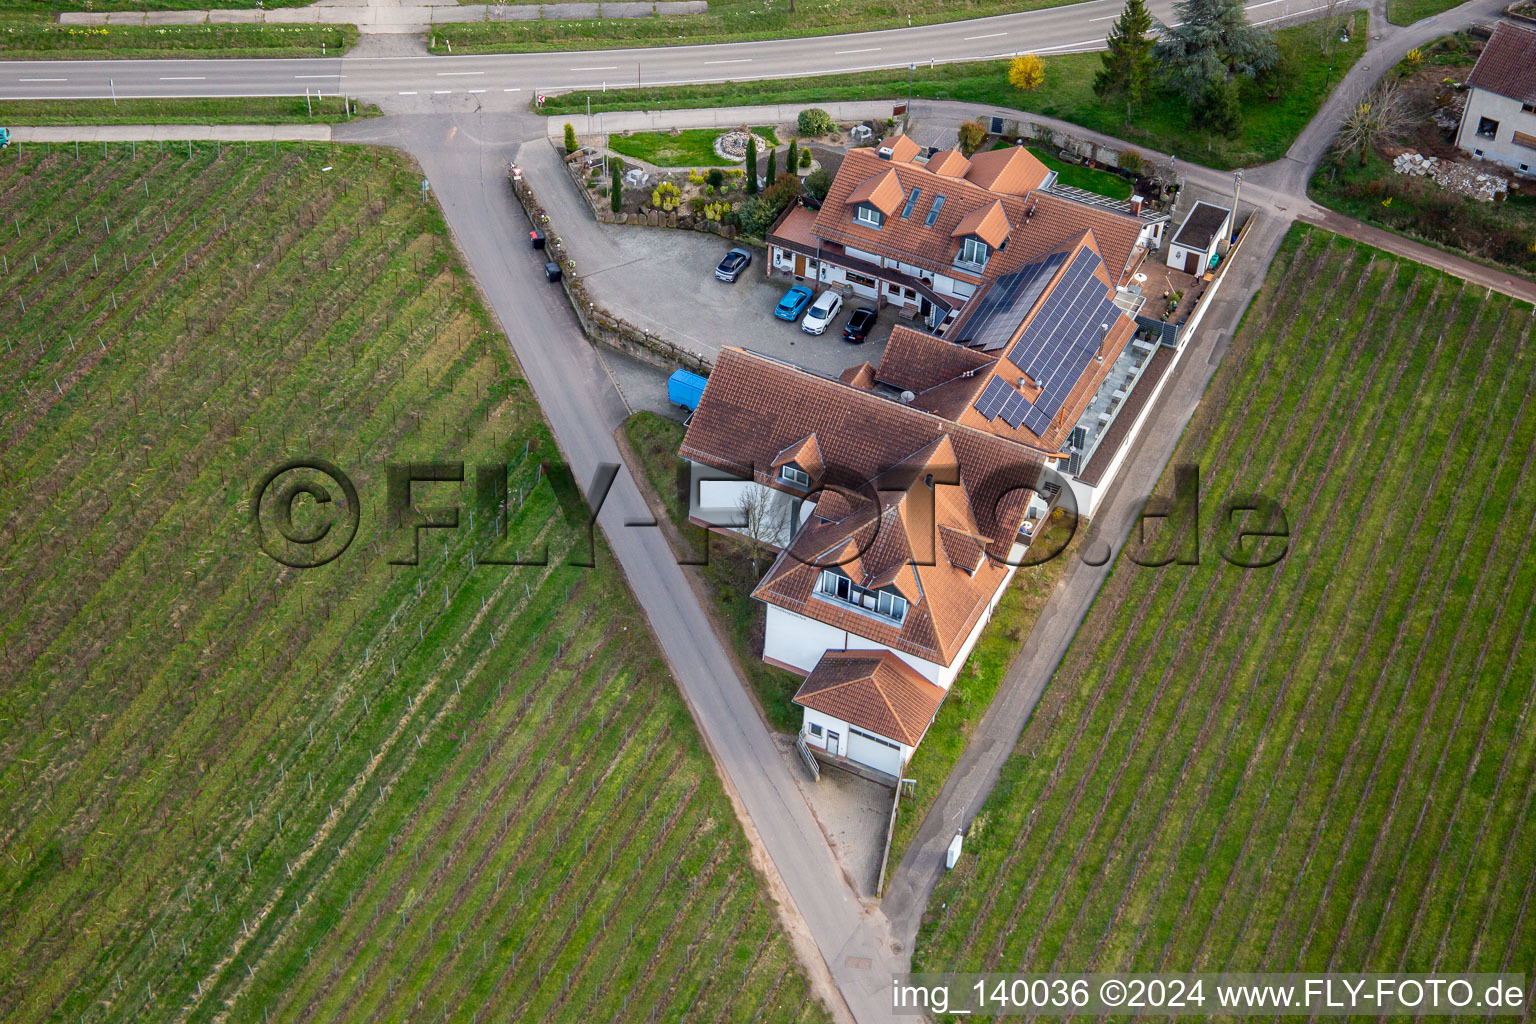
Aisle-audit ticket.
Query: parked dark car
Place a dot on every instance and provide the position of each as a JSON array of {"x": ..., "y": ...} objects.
[
  {"x": 860, "y": 324},
  {"x": 734, "y": 263}
]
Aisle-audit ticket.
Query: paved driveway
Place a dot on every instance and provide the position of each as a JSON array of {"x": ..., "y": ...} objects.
[{"x": 663, "y": 279}]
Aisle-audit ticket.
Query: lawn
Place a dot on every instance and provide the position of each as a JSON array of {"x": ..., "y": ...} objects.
[
  {"x": 1088, "y": 179},
  {"x": 727, "y": 21},
  {"x": 1406, "y": 12},
  {"x": 479, "y": 788},
  {"x": 1499, "y": 233},
  {"x": 1271, "y": 119},
  {"x": 37, "y": 39},
  {"x": 255, "y": 110},
  {"x": 728, "y": 578},
  {"x": 977, "y": 684},
  {"x": 1323, "y": 765},
  {"x": 689, "y": 147}
]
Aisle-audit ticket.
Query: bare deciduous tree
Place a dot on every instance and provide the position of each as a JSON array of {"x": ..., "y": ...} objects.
[
  {"x": 1382, "y": 114},
  {"x": 764, "y": 520}
]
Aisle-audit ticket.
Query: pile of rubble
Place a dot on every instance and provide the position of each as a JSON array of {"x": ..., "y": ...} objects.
[
  {"x": 1416, "y": 164},
  {"x": 1451, "y": 176}
]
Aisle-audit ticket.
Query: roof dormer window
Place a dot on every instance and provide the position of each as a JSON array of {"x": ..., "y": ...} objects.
[
  {"x": 793, "y": 474},
  {"x": 867, "y": 215},
  {"x": 886, "y": 603},
  {"x": 974, "y": 252}
]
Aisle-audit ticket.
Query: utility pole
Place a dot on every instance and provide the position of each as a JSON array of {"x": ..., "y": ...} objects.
[
  {"x": 1237, "y": 185},
  {"x": 906, "y": 117}
]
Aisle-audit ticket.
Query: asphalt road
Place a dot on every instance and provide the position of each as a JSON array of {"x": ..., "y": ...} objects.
[{"x": 508, "y": 81}]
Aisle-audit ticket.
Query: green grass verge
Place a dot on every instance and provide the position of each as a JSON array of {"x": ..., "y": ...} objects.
[
  {"x": 1270, "y": 122},
  {"x": 729, "y": 577},
  {"x": 259, "y": 110},
  {"x": 727, "y": 21},
  {"x": 32, "y": 40},
  {"x": 691, "y": 147},
  {"x": 1406, "y": 12},
  {"x": 977, "y": 684},
  {"x": 1323, "y": 762},
  {"x": 479, "y": 788}
]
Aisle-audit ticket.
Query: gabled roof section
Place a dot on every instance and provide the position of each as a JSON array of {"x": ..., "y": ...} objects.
[
  {"x": 874, "y": 690},
  {"x": 916, "y": 361},
  {"x": 806, "y": 454},
  {"x": 1507, "y": 65},
  {"x": 949, "y": 163},
  {"x": 1014, "y": 170},
  {"x": 882, "y": 191},
  {"x": 902, "y": 149},
  {"x": 861, "y": 376},
  {"x": 988, "y": 223}
]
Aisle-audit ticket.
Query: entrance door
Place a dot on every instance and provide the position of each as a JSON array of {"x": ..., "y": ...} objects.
[
  {"x": 799, "y": 265},
  {"x": 834, "y": 743},
  {"x": 1191, "y": 263}
]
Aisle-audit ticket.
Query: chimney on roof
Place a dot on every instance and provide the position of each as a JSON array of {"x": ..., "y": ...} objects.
[
  {"x": 1103, "y": 337},
  {"x": 1137, "y": 202},
  {"x": 885, "y": 152}
]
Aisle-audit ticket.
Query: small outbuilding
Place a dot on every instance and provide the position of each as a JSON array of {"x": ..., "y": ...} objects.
[
  {"x": 866, "y": 710},
  {"x": 1194, "y": 246}
]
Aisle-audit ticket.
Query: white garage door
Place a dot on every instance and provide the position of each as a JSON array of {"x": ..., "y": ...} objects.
[{"x": 873, "y": 752}]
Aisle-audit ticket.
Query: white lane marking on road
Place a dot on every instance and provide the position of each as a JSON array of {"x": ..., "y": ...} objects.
[
  {"x": 411, "y": 93},
  {"x": 316, "y": 76},
  {"x": 613, "y": 67},
  {"x": 867, "y": 49},
  {"x": 990, "y": 35},
  {"x": 475, "y": 90},
  {"x": 42, "y": 79},
  {"x": 1107, "y": 17},
  {"x": 455, "y": 74},
  {"x": 440, "y": 92},
  {"x": 182, "y": 78},
  {"x": 515, "y": 88},
  {"x": 734, "y": 60}
]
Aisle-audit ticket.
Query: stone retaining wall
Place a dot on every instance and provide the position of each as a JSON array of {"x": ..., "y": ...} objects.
[{"x": 600, "y": 325}]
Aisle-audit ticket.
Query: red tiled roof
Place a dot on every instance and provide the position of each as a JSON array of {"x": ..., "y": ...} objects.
[
  {"x": 1038, "y": 222},
  {"x": 902, "y": 148},
  {"x": 1508, "y": 64},
  {"x": 795, "y": 227},
  {"x": 988, "y": 223},
  {"x": 874, "y": 690},
  {"x": 882, "y": 191},
  {"x": 1014, "y": 170},
  {"x": 950, "y": 163},
  {"x": 916, "y": 361},
  {"x": 861, "y": 376}
]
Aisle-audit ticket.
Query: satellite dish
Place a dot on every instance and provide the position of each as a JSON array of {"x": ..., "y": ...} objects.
[{"x": 908, "y": 397}]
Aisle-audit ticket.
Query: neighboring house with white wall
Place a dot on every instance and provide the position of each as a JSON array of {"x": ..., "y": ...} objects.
[{"x": 1498, "y": 123}]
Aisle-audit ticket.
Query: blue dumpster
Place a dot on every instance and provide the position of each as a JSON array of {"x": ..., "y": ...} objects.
[{"x": 685, "y": 389}]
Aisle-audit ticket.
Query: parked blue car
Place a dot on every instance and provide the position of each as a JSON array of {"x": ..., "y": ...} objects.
[{"x": 793, "y": 303}]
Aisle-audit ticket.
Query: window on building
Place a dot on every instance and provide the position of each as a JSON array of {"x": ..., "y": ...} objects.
[
  {"x": 886, "y": 603},
  {"x": 792, "y": 474},
  {"x": 1487, "y": 128},
  {"x": 933, "y": 211},
  {"x": 871, "y": 736},
  {"x": 815, "y": 729},
  {"x": 859, "y": 279},
  {"x": 1529, "y": 108},
  {"x": 975, "y": 252},
  {"x": 868, "y": 215},
  {"x": 906, "y": 211}
]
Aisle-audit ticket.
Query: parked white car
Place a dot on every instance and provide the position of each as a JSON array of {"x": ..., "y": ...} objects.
[{"x": 821, "y": 312}]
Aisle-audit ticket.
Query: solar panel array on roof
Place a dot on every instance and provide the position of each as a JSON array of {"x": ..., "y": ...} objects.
[
  {"x": 993, "y": 396},
  {"x": 1063, "y": 336},
  {"x": 1006, "y": 302}
]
